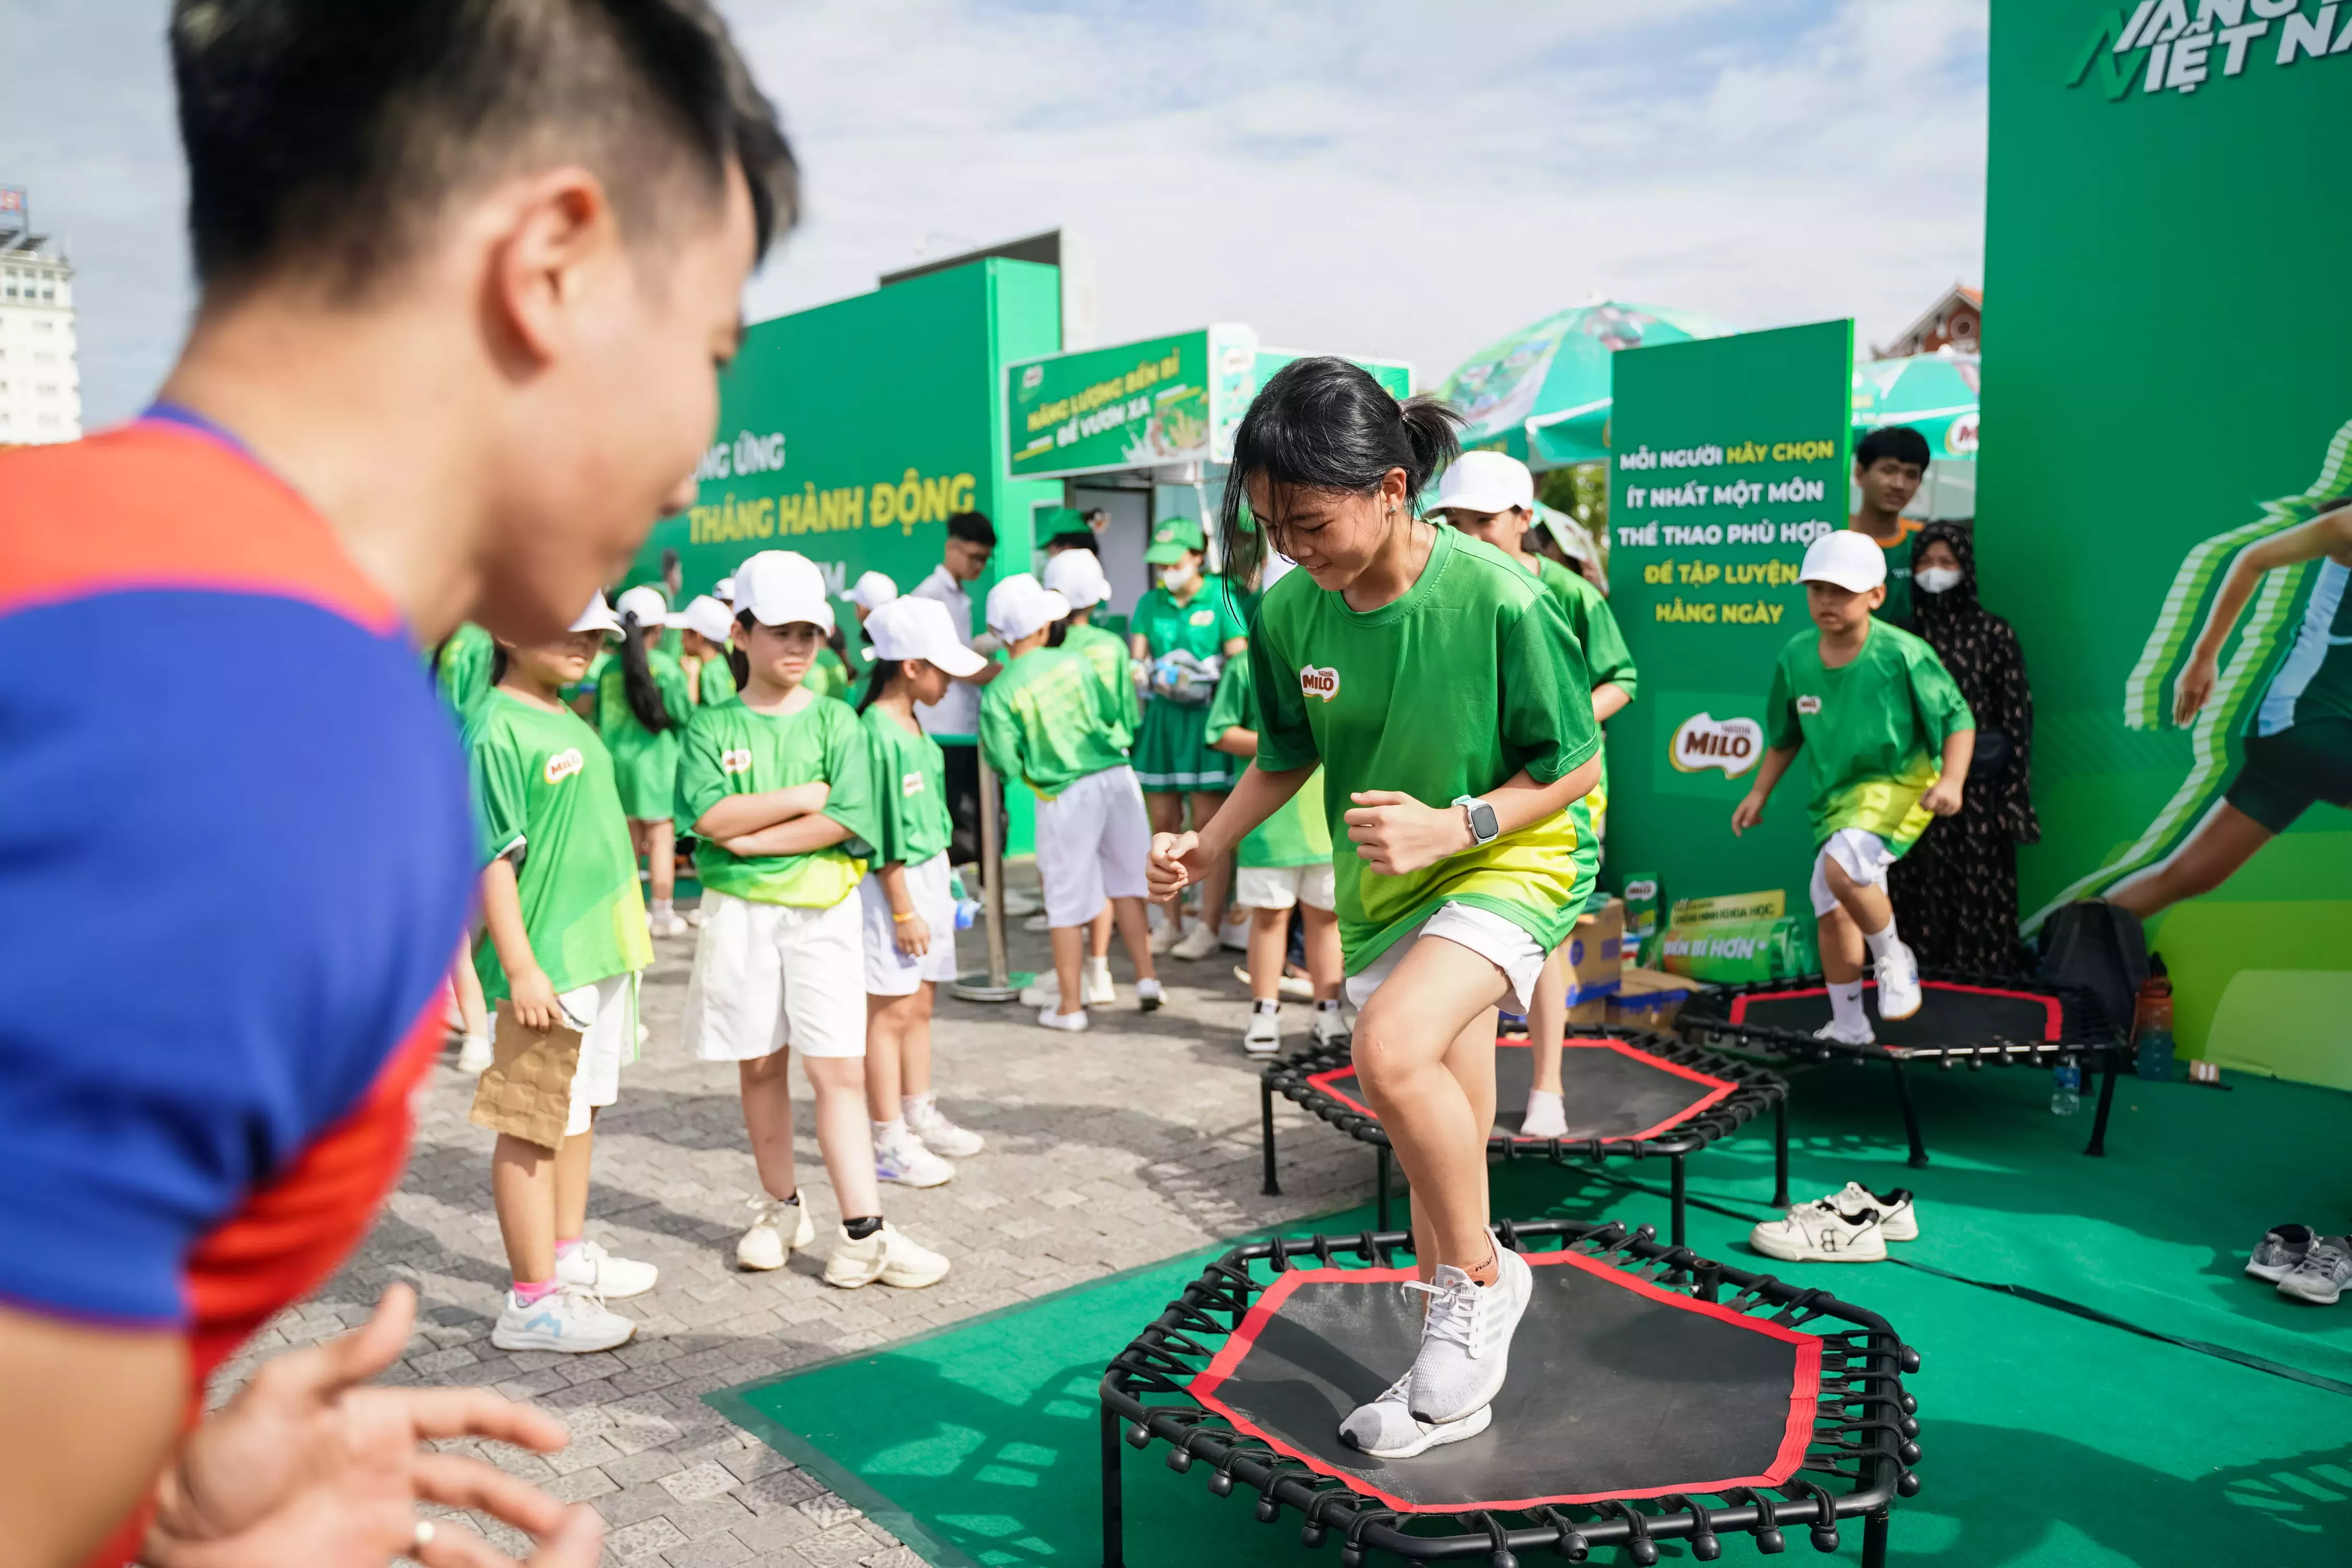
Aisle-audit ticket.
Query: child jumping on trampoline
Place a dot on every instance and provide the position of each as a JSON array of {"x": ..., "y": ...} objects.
[
  {"x": 1874, "y": 707},
  {"x": 1440, "y": 689}
]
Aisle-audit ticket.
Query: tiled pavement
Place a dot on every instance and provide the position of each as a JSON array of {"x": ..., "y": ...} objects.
[{"x": 1118, "y": 1147}]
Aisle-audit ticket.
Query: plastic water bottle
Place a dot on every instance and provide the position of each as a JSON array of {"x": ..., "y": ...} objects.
[
  {"x": 2067, "y": 1095},
  {"x": 2152, "y": 1028},
  {"x": 967, "y": 908}
]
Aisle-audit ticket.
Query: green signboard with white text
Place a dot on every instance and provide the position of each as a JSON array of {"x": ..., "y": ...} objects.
[
  {"x": 1727, "y": 456},
  {"x": 2171, "y": 371}
]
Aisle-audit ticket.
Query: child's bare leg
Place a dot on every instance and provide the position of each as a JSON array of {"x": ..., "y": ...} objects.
[
  {"x": 661, "y": 858},
  {"x": 1547, "y": 1022},
  {"x": 1326, "y": 964},
  {"x": 1099, "y": 934},
  {"x": 885, "y": 1026},
  {"x": 768, "y": 1118},
  {"x": 1842, "y": 949},
  {"x": 1135, "y": 933},
  {"x": 844, "y": 1135},
  {"x": 473, "y": 1012},
  {"x": 1866, "y": 908},
  {"x": 915, "y": 1044},
  {"x": 1069, "y": 951},
  {"x": 522, "y": 1192},
  {"x": 1268, "y": 939},
  {"x": 572, "y": 1182}
]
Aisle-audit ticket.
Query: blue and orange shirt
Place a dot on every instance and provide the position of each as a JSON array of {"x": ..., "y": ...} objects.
[{"x": 226, "y": 919}]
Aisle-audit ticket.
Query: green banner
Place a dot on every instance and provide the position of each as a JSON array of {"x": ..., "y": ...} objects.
[
  {"x": 1728, "y": 457},
  {"x": 2149, "y": 163},
  {"x": 1133, "y": 405}
]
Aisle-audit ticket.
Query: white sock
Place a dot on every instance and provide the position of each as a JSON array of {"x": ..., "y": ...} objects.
[
  {"x": 1266, "y": 1004},
  {"x": 1845, "y": 1005},
  {"x": 661, "y": 906},
  {"x": 1551, "y": 1095},
  {"x": 1147, "y": 988},
  {"x": 890, "y": 1132},
  {"x": 1878, "y": 942},
  {"x": 1331, "y": 1006},
  {"x": 923, "y": 1102},
  {"x": 1098, "y": 966}
]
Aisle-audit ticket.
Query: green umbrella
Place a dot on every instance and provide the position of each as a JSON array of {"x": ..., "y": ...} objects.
[
  {"x": 1542, "y": 394},
  {"x": 1935, "y": 395}
]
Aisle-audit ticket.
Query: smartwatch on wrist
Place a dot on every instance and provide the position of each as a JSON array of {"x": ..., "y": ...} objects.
[{"x": 1485, "y": 826}]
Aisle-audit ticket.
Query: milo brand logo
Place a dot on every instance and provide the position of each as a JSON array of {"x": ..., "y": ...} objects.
[
  {"x": 1322, "y": 683},
  {"x": 1809, "y": 704},
  {"x": 1643, "y": 890},
  {"x": 563, "y": 765},
  {"x": 739, "y": 761},
  {"x": 1703, "y": 742}
]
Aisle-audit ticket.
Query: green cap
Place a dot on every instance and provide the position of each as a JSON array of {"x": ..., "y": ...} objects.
[
  {"x": 1060, "y": 520},
  {"x": 1171, "y": 539}
]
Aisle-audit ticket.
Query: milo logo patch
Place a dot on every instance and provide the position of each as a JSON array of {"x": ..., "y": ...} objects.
[
  {"x": 1809, "y": 704},
  {"x": 563, "y": 765},
  {"x": 738, "y": 762},
  {"x": 1323, "y": 683},
  {"x": 911, "y": 784},
  {"x": 1204, "y": 617}
]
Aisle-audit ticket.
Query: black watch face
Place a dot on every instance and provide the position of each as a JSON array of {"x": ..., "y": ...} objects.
[{"x": 1483, "y": 824}]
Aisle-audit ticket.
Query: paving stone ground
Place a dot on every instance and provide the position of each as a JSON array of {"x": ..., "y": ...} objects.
[{"x": 1130, "y": 1144}]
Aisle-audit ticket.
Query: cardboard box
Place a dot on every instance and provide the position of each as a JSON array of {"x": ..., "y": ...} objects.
[
  {"x": 1648, "y": 998},
  {"x": 1595, "y": 955},
  {"x": 528, "y": 1090},
  {"x": 1595, "y": 1011}
]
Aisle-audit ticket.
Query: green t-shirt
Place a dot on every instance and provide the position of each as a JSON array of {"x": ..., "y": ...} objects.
[
  {"x": 1201, "y": 628},
  {"x": 464, "y": 672},
  {"x": 1606, "y": 656},
  {"x": 1875, "y": 730},
  {"x": 645, "y": 762},
  {"x": 911, "y": 792},
  {"x": 715, "y": 684},
  {"x": 1049, "y": 721},
  {"x": 1296, "y": 835},
  {"x": 829, "y": 677},
  {"x": 542, "y": 784},
  {"x": 1107, "y": 652},
  {"x": 735, "y": 750},
  {"x": 1897, "y": 609},
  {"x": 1469, "y": 676}
]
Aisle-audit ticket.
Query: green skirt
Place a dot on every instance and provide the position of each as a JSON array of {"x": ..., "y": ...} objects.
[
  {"x": 1171, "y": 752},
  {"x": 645, "y": 771}
]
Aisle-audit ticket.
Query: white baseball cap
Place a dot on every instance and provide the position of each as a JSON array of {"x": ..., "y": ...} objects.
[
  {"x": 646, "y": 603},
  {"x": 597, "y": 617},
  {"x": 1078, "y": 576},
  {"x": 920, "y": 628},
  {"x": 706, "y": 618},
  {"x": 871, "y": 592},
  {"x": 781, "y": 587},
  {"x": 1486, "y": 482},
  {"x": 723, "y": 589},
  {"x": 1851, "y": 560},
  {"x": 1020, "y": 607}
]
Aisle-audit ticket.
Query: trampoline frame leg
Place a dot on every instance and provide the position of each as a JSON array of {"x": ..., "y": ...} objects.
[
  {"x": 1114, "y": 1521},
  {"x": 1380, "y": 1186},
  {"x": 1677, "y": 1182},
  {"x": 2098, "y": 1145},
  {"x": 1273, "y": 1187},
  {"x": 1910, "y": 1113},
  {"x": 1780, "y": 1152},
  {"x": 1873, "y": 1540}
]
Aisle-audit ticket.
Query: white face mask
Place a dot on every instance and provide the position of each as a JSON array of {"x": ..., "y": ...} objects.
[
  {"x": 1937, "y": 579},
  {"x": 1176, "y": 578}
]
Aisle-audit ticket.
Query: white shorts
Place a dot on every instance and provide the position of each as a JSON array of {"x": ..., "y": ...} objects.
[
  {"x": 888, "y": 971},
  {"x": 605, "y": 1014},
  {"x": 1092, "y": 842},
  {"x": 1500, "y": 941},
  {"x": 771, "y": 975},
  {"x": 1280, "y": 887},
  {"x": 1861, "y": 854}
]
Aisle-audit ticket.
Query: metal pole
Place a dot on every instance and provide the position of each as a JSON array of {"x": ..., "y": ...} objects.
[
  {"x": 1273, "y": 1187},
  {"x": 1780, "y": 1152},
  {"x": 1114, "y": 1511},
  {"x": 996, "y": 985}
]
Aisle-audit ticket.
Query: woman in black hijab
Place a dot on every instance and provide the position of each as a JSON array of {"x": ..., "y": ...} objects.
[{"x": 1956, "y": 892}]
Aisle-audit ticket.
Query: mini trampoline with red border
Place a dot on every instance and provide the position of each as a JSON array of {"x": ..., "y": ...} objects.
[
  {"x": 1645, "y": 1381},
  {"x": 1964, "y": 1019},
  {"x": 1629, "y": 1094}
]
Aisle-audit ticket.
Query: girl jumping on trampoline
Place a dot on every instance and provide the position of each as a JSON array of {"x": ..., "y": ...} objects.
[{"x": 1447, "y": 700}]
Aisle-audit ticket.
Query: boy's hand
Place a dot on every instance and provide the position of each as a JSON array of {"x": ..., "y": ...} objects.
[
  {"x": 1396, "y": 835},
  {"x": 1943, "y": 796},
  {"x": 1746, "y": 814},
  {"x": 533, "y": 995},
  {"x": 912, "y": 935},
  {"x": 1176, "y": 863}
]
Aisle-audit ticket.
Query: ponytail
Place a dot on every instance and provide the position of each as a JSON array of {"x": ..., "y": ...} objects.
[
  {"x": 739, "y": 661},
  {"x": 878, "y": 680},
  {"x": 637, "y": 680},
  {"x": 1324, "y": 423}
]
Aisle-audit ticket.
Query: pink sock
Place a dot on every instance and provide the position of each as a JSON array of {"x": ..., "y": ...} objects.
[
  {"x": 531, "y": 1295},
  {"x": 565, "y": 1249}
]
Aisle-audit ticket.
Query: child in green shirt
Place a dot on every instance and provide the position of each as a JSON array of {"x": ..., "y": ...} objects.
[
  {"x": 1076, "y": 574},
  {"x": 641, "y": 712},
  {"x": 778, "y": 788},
  {"x": 1049, "y": 721},
  {"x": 1890, "y": 738},
  {"x": 566, "y": 942},
  {"x": 1437, "y": 685},
  {"x": 709, "y": 628}
]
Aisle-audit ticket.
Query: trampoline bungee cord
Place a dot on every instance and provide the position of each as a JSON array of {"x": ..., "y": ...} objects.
[{"x": 1656, "y": 1396}]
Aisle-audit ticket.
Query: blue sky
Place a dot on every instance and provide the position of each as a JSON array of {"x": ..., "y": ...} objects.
[{"x": 1408, "y": 178}]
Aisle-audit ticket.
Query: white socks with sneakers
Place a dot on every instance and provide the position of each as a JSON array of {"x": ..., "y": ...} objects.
[
  {"x": 1845, "y": 1001},
  {"x": 1878, "y": 942}
]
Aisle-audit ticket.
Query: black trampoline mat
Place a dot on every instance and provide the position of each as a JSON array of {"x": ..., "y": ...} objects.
[
  {"x": 1950, "y": 1016},
  {"x": 1614, "y": 1090},
  {"x": 1618, "y": 1389}
]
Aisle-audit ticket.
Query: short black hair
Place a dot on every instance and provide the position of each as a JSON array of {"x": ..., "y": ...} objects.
[
  {"x": 1899, "y": 442},
  {"x": 1079, "y": 539},
  {"x": 973, "y": 528},
  {"x": 332, "y": 131}
]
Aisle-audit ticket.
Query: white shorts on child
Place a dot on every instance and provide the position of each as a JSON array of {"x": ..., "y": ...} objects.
[
  {"x": 889, "y": 972},
  {"x": 767, "y": 976},
  {"x": 1861, "y": 854},
  {"x": 1280, "y": 887},
  {"x": 1092, "y": 842},
  {"x": 1504, "y": 944},
  {"x": 605, "y": 1014}
]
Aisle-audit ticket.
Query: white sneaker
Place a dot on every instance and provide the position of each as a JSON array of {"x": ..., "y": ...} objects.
[
  {"x": 1043, "y": 992},
  {"x": 1263, "y": 1037},
  {"x": 1237, "y": 932},
  {"x": 1547, "y": 1115},
  {"x": 1290, "y": 988},
  {"x": 1096, "y": 987},
  {"x": 1169, "y": 932},
  {"x": 1197, "y": 943},
  {"x": 905, "y": 1161},
  {"x": 926, "y": 1120},
  {"x": 1036, "y": 925},
  {"x": 1898, "y": 983},
  {"x": 568, "y": 1318},
  {"x": 781, "y": 1228},
  {"x": 1818, "y": 1233},
  {"x": 1148, "y": 995},
  {"x": 1386, "y": 1430},
  {"x": 1899, "y": 1216},
  {"x": 693, "y": 917},
  {"x": 887, "y": 1256},
  {"x": 665, "y": 925},
  {"x": 616, "y": 1279},
  {"x": 475, "y": 1055},
  {"x": 1859, "y": 1034},
  {"x": 1017, "y": 902},
  {"x": 1465, "y": 1340},
  {"x": 1053, "y": 1018},
  {"x": 1329, "y": 1025}
]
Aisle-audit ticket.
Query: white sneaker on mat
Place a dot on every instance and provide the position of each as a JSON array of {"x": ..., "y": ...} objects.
[
  {"x": 781, "y": 1228},
  {"x": 1858, "y": 1035},
  {"x": 904, "y": 1158},
  {"x": 1264, "y": 1036},
  {"x": 1386, "y": 1430},
  {"x": 616, "y": 1279},
  {"x": 1053, "y": 1018},
  {"x": 1898, "y": 983},
  {"x": 1818, "y": 1233},
  {"x": 887, "y": 1256},
  {"x": 1329, "y": 1025},
  {"x": 926, "y": 1120},
  {"x": 1547, "y": 1115},
  {"x": 1465, "y": 1340},
  {"x": 1898, "y": 1214},
  {"x": 1199, "y": 942},
  {"x": 568, "y": 1319}
]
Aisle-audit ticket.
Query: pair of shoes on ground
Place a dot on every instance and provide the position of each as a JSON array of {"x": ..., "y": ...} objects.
[
  {"x": 911, "y": 1152},
  {"x": 572, "y": 1318},
  {"x": 671, "y": 924},
  {"x": 781, "y": 1228},
  {"x": 2303, "y": 1264},
  {"x": 1849, "y": 1227},
  {"x": 1289, "y": 988},
  {"x": 1448, "y": 1393},
  {"x": 1897, "y": 974},
  {"x": 1096, "y": 989},
  {"x": 1326, "y": 1025}
]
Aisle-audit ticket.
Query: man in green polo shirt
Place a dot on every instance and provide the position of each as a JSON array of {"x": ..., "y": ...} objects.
[{"x": 1889, "y": 465}]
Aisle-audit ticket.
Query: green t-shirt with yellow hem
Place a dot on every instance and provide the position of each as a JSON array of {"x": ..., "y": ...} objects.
[
  {"x": 736, "y": 750},
  {"x": 1873, "y": 729}
]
